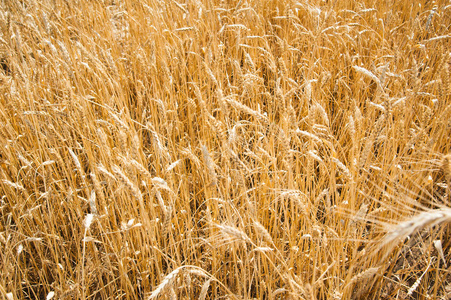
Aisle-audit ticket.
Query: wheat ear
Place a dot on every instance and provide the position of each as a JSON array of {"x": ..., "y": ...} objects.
[{"x": 422, "y": 220}]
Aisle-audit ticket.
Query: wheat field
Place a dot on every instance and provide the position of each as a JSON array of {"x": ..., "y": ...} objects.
[{"x": 247, "y": 149}]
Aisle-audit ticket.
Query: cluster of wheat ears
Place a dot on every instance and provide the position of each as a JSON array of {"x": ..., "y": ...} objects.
[{"x": 249, "y": 149}]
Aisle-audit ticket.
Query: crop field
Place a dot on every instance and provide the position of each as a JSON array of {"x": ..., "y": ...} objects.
[{"x": 242, "y": 149}]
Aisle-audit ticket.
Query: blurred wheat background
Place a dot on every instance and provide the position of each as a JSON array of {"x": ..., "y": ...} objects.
[{"x": 247, "y": 149}]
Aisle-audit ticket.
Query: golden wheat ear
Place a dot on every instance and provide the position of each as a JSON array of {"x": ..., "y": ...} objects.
[
  {"x": 414, "y": 224},
  {"x": 445, "y": 78},
  {"x": 446, "y": 167}
]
